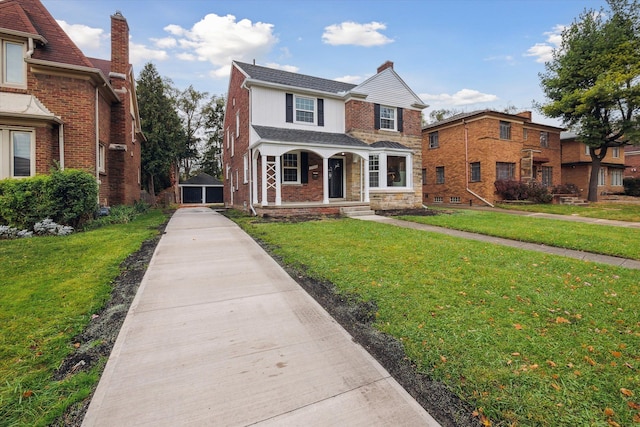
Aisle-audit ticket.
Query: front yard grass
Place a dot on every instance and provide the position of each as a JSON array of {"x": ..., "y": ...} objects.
[
  {"x": 527, "y": 338},
  {"x": 49, "y": 288},
  {"x": 607, "y": 240},
  {"x": 603, "y": 210}
]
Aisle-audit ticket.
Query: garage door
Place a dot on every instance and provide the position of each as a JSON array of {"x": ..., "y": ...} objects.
[
  {"x": 191, "y": 194},
  {"x": 214, "y": 195}
]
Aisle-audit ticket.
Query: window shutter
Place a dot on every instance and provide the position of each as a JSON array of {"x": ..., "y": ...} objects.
[
  {"x": 289, "y": 111},
  {"x": 400, "y": 119},
  {"x": 320, "y": 112},
  {"x": 376, "y": 116},
  {"x": 304, "y": 167}
]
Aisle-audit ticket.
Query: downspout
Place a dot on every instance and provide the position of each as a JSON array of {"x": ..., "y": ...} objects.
[
  {"x": 250, "y": 159},
  {"x": 466, "y": 164},
  {"x": 97, "y": 118},
  {"x": 31, "y": 48},
  {"x": 61, "y": 144}
]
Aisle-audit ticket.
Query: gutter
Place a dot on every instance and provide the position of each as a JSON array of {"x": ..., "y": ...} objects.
[{"x": 466, "y": 164}]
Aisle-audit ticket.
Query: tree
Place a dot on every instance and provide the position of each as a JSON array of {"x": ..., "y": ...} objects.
[
  {"x": 213, "y": 112},
  {"x": 593, "y": 81},
  {"x": 191, "y": 110},
  {"x": 162, "y": 128},
  {"x": 442, "y": 113}
]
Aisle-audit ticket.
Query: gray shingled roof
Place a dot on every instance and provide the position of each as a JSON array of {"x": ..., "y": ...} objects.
[
  {"x": 202, "y": 179},
  {"x": 307, "y": 137},
  {"x": 287, "y": 78},
  {"x": 389, "y": 144}
]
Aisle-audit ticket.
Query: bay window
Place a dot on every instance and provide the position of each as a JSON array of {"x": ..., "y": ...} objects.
[{"x": 389, "y": 170}]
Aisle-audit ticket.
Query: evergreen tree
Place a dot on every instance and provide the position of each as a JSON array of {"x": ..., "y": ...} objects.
[{"x": 213, "y": 112}]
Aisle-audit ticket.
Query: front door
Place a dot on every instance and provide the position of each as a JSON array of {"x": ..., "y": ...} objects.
[{"x": 336, "y": 178}]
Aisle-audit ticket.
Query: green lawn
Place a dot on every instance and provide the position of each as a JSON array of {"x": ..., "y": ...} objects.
[
  {"x": 49, "y": 288},
  {"x": 608, "y": 240},
  {"x": 530, "y": 338},
  {"x": 603, "y": 210}
]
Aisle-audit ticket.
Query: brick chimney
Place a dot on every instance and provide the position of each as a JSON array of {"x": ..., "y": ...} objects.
[
  {"x": 525, "y": 114},
  {"x": 384, "y": 66},
  {"x": 119, "y": 44}
]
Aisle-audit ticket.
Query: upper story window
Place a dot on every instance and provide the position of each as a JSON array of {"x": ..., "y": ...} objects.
[
  {"x": 14, "y": 69},
  {"x": 544, "y": 139},
  {"x": 305, "y": 108},
  {"x": 587, "y": 150},
  {"x": 433, "y": 140},
  {"x": 387, "y": 118},
  {"x": 505, "y": 130},
  {"x": 615, "y": 152}
]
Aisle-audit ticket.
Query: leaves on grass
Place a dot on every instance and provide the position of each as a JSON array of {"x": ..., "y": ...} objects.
[
  {"x": 626, "y": 392},
  {"x": 609, "y": 412},
  {"x": 561, "y": 319},
  {"x": 518, "y": 326}
]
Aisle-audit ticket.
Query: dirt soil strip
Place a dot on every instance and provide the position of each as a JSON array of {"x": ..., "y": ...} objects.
[{"x": 356, "y": 317}]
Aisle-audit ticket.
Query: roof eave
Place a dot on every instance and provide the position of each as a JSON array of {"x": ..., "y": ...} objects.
[
  {"x": 25, "y": 35},
  {"x": 255, "y": 82}
]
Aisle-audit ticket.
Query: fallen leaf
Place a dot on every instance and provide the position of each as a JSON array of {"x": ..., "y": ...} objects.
[
  {"x": 634, "y": 405},
  {"x": 577, "y": 373},
  {"x": 626, "y": 392},
  {"x": 27, "y": 394},
  {"x": 561, "y": 319},
  {"x": 518, "y": 326},
  {"x": 616, "y": 354},
  {"x": 551, "y": 363},
  {"x": 590, "y": 361},
  {"x": 636, "y": 418},
  {"x": 76, "y": 345},
  {"x": 443, "y": 359},
  {"x": 556, "y": 386},
  {"x": 608, "y": 412},
  {"x": 613, "y": 423}
]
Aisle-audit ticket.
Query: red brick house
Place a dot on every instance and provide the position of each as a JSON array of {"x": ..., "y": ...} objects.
[
  {"x": 295, "y": 143},
  {"x": 463, "y": 156},
  {"x": 632, "y": 161},
  {"x": 576, "y": 167},
  {"x": 58, "y": 106}
]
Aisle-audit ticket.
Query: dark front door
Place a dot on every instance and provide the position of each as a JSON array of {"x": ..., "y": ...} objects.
[{"x": 336, "y": 178}]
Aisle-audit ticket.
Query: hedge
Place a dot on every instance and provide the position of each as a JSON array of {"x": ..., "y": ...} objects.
[{"x": 631, "y": 186}]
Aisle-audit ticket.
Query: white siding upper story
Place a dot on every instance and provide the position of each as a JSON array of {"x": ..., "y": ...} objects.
[
  {"x": 387, "y": 88},
  {"x": 268, "y": 108}
]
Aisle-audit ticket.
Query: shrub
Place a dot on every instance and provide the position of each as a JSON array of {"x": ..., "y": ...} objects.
[
  {"x": 23, "y": 202},
  {"x": 631, "y": 186},
  {"x": 565, "y": 189},
  {"x": 538, "y": 193},
  {"x": 517, "y": 190},
  {"x": 47, "y": 227},
  {"x": 74, "y": 196}
]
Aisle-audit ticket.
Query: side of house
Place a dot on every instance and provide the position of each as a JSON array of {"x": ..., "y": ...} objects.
[
  {"x": 295, "y": 143},
  {"x": 465, "y": 155},
  {"x": 59, "y": 107},
  {"x": 632, "y": 161},
  {"x": 576, "y": 167}
]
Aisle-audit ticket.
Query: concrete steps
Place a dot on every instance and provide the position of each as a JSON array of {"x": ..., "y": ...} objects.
[
  {"x": 575, "y": 201},
  {"x": 351, "y": 211}
]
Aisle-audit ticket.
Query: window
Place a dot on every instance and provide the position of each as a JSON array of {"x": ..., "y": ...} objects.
[
  {"x": 237, "y": 123},
  {"x": 544, "y": 139},
  {"x": 396, "y": 171},
  {"x": 505, "y": 171},
  {"x": 587, "y": 151},
  {"x": 291, "y": 168},
  {"x": 602, "y": 177},
  {"x": 547, "y": 176},
  {"x": 233, "y": 145},
  {"x": 374, "y": 171},
  {"x": 245, "y": 168},
  {"x": 433, "y": 140},
  {"x": 525, "y": 133},
  {"x": 14, "y": 69},
  {"x": 228, "y": 139},
  {"x": 17, "y": 153},
  {"x": 505, "y": 130},
  {"x": 616, "y": 177},
  {"x": 455, "y": 199},
  {"x": 305, "y": 108},
  {"x": 438, "y": 199},
  {"x": 615, "y": 152},
  {"x": 387, "y": 118},
  {"x": 475, "y": 171},
  {"x": 101, "y": 158},
  {"x": 439, "y": 174},
  {"x": 424, "y": 176}
]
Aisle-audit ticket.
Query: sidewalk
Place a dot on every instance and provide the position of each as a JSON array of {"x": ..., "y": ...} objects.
[
  {"x": 585, "y": 256},
  {"x": 219, "y": 334}
]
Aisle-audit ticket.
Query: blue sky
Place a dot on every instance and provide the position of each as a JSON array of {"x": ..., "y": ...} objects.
[{"x": 462, "y": 54}]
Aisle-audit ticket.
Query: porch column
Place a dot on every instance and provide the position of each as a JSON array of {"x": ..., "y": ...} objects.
[
  {"x": 254, "y": 179},
  {"x": 366, "y": 179},
  {"x": 265, "y": 202},
  {"x": 278, "y": 182},
  {"x": 325, "y": 180}
]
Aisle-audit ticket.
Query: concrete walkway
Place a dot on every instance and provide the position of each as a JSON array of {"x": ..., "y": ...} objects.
[
  {"x": 585, "y": 256},
  {"x": 219, "y": 334}
]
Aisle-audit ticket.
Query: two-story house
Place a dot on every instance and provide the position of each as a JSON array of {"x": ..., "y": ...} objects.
[
  {"x": 59, "y": 107},
  {"x": 463, "y": 156},
  {"x": 295, "y": 143},
  {"x": 576, "y": 166}
]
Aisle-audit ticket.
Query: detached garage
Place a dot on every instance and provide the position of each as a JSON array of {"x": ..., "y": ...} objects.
[{"x": 201, "y": 189}]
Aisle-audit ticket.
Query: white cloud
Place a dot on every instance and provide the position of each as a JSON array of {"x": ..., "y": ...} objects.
[
  {"x": 352, "y": 33},
  {"x": 290, "y": 68},
  {"x": 84, "y": 36},
  {"x": 543, "y": 52},
  {"x": 350, "y": 79},
  {"x": 187, "y": 57},
  {"x": 165, "y": 42},
  {"x": 462, "y": 97},
  {"x": 221, "y": 39},
  {"x": 139, "y": 53}
]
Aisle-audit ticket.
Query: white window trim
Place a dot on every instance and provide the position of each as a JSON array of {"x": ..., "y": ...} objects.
[
  {"x": 382, "y": 168},
  {"x": 616, "y": 175},
  {"x": 298, "y": 181},
  {"x": 102, "y": 152},
  {"x": 615, "y": 152},
  {"x": 7, "y": 152},
  {"x": 602, "y": 177},
  {"x": 233, "y": 145},
  {"x": 237, "y": 123},
  {"x": 395, "y": 119},
  {"x": 3, "y": 62},
  {"x": 314, "y": 111},
  {"x": 245, "y": 168},
  {"x": 376, "y": 171}
]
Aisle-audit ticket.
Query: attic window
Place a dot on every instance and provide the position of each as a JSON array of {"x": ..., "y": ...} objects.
[{"x": 14, "y": 71}]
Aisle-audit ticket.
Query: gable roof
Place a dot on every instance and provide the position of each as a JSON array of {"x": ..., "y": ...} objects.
[
  {"x": 478, "y": 113},
  {"x": 202, "y": 179},
  {"x": 307, "y": 136},
  {"x": 294, "y": 80},
  {"x": 14, "y": 20},
  {"x": 387, "y": 87}
]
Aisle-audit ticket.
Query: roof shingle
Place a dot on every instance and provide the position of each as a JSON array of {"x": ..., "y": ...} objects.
[{"x": 307, "y": 137}]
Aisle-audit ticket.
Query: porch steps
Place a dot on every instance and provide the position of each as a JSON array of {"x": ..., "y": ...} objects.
[
  {"x": 575, "y": 201},
  {"x": 352, "y": 211}
]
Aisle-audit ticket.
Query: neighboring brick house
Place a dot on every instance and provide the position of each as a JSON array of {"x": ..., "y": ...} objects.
[
  {"x": 632, "y": 161},
  {"x": 463, "y": 156},
  {"x": 576, "y": 167},
  {"x": 59, "y": 107},
  {"x": 295, "y": 143}
]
